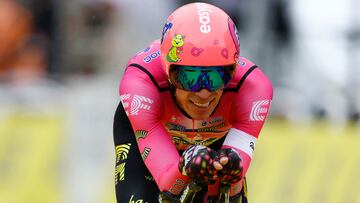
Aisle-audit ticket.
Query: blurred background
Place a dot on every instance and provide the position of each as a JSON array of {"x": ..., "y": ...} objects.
[{"x": 60, "y": 67}]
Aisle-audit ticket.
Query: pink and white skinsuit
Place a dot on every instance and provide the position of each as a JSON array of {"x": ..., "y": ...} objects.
[{"x": 162, "y": 128}]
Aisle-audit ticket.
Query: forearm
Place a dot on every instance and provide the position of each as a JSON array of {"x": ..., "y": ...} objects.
[
  {"x": 243, "y": 143},
  {"x": 172, "y": 180},
  {"x": 161, "y": 158}
]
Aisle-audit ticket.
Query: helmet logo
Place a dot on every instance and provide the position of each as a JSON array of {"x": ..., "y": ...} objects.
[
  {"x": 234, "y": 34},
  {"x": 196, "y": 51},
  {"x": 235, "y": 37},
  {"x": 166, "y": 28},
  {"x": 225, "y": 53},
  {"x": 204, "y": 17},
  {"x": 176, "y": 48}
]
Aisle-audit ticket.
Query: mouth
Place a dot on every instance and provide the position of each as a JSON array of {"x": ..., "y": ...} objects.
[{"x": 202, "y": 105}]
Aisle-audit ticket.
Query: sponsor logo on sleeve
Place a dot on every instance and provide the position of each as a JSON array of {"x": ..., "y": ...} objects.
[
  {"x": 137, "y": 102},
  {"x": 140, "y": 102},
  {"x": 124, "y": 98},
  {"x": 132, "y": 200},
  {"x": 259, "y": 110},
  {"x": 145, "y": 153},
  {"x": 149, "y": 178},
  {"x": 140, "y": 134},
  {"x": 178, "y": 186},
  {"x": 252, "y": 146},
  {"x": 121, "y": 157},
  {"x": 152, "y": 56}
]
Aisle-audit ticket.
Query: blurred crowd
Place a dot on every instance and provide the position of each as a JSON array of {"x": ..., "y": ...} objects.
[
  {"x": 23, "y": 41},
  {"x": 310, "y": 50}
]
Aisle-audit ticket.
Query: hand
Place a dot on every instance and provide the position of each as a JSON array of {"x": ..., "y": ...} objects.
[
  {"x": 218, "y": 164},
  {"x": 229, "y": 166},
  {"x": 197, "y": 163}
]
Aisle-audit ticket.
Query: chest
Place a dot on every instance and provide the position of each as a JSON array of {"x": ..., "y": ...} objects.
[{"x": 185, "y": 131}]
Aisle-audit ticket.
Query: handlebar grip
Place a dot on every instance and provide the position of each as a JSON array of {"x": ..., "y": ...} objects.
[
  {"x": 190, "y": 191},
  {"x": 166, "y": 197},
  {"x": 224, "y": 193},
  {"x": 187, "y": 196}
]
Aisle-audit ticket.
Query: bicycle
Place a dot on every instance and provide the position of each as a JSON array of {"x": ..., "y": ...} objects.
[{"x": 193, "y": 188}]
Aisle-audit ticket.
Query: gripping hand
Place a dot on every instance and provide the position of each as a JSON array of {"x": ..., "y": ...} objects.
[
  {"x": 197, "y": 163},
  {"x": 232, "y": 170}
]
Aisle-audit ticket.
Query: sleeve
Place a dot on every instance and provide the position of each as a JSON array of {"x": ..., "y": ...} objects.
[
  {"x": 143, "y": 105},
  {"x": 251, "y": 106}
]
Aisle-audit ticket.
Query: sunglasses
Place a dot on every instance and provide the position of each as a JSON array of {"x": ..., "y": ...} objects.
[{"x": 195, "y": 78}]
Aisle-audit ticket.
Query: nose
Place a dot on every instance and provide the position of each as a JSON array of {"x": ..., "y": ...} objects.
[{"x": 203, "y": 93}]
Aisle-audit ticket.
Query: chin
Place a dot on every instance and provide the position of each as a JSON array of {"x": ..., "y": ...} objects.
[
  {"x": 199, "y": 117},
  {"x": 199, "y": 113}
]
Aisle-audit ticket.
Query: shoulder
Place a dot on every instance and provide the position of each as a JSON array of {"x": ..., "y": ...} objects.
[
  {"x": 145, "y": 67},
  {"x": 247, "y": 72},
  {"x": 251, "y": 98},
  {"x": 147, "y": 56}
]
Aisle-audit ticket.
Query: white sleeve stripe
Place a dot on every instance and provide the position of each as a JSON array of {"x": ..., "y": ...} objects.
[{"x": 241, "y": 140}]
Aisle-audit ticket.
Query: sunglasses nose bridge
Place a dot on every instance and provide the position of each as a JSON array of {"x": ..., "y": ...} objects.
[{"x": 203, "y": 93}]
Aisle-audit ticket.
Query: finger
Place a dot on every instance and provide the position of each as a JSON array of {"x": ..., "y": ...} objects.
[
  {"x": 217, "y": 165},
  {"x": 224, "y": 160}
]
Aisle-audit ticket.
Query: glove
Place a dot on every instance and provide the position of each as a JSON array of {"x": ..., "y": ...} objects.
[
  {"x": 232, "y": 170},
  {"x": 197, "y": 163}
]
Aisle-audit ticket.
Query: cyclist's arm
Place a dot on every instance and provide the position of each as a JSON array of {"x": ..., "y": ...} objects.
[
  {"x": 143, "y": 104},
  {"x": 250, "y": 109}
]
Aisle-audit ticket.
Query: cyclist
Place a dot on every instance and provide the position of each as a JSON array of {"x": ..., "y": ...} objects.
[{"x": 191, "y": 110}]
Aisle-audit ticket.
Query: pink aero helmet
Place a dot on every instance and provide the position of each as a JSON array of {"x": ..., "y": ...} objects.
[{"x": 199, "y": 34}]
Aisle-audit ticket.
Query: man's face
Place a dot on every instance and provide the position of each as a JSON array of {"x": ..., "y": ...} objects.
[{"x": 199, "y": 105}]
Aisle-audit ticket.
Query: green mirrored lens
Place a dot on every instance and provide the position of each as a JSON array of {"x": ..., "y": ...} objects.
[{"x": 196, "y": 78}]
